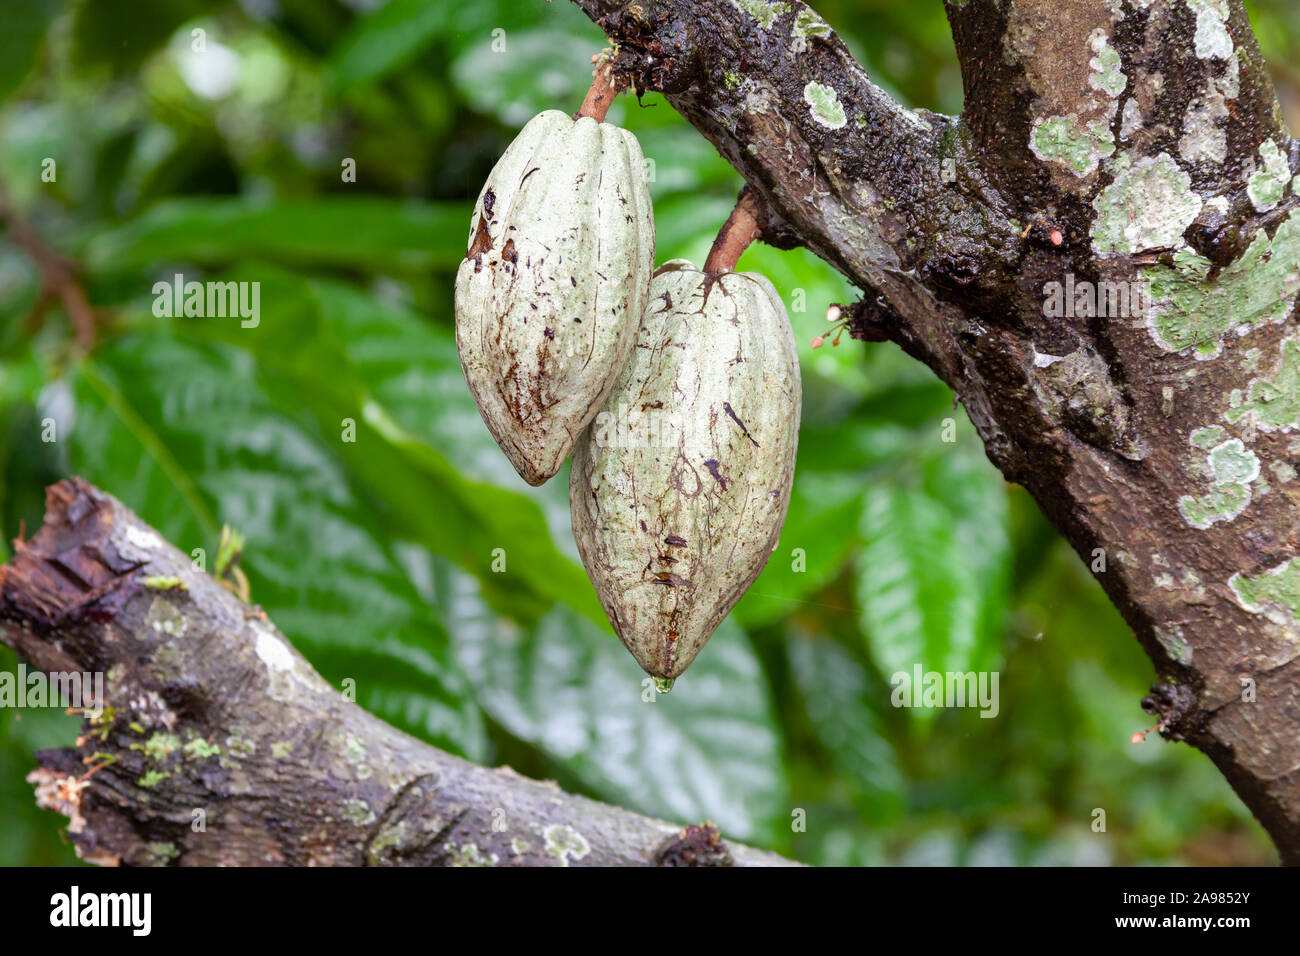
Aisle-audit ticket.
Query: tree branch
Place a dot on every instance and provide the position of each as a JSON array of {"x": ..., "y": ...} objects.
[
  {"x": 58, "y": 278},
  {"x": 219, "y": 744},
  {"x": 1103, "y": 146},
  {"x": 857, "y": 176}
]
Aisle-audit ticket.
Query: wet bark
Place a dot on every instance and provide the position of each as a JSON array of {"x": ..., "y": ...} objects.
[
  {"x": 1103, "y": 142},
  {"x": 217, "y": 744}
]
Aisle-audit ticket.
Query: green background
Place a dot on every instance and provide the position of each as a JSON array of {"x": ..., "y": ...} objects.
[{"x": 375, "y": 557}]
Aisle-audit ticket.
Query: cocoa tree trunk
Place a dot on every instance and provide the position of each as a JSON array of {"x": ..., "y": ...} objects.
[
  {"x": 1108, "y": 148},
  {"x": 217, "y": 744}
]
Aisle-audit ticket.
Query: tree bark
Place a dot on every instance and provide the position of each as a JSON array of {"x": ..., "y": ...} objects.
[
  {"x": 1106, "y": 142},
  {"x": 219, "y": 745}
]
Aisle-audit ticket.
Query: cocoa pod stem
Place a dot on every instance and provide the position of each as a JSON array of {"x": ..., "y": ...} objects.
[
  {"x": 741, "y": 228},
  {"x": 604, "y": 87}
]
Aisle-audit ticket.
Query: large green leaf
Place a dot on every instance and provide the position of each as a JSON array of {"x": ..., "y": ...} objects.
[
  {"x": 708, "y": 750},
  {"x": 303, "y": 339},
  {"x": 413, "y": 370},
  {"x": 193, "y": 435},
  {"x": 350, "y": 232},
  {"x": 819, "y": 535},
  {"x": 121, "y": 35},
  {"x": 932, "y": 571},
  {"x": 838, "y": 695},
  {"x": 25, "y": 23},
  {"x": 385, "y": 39}
]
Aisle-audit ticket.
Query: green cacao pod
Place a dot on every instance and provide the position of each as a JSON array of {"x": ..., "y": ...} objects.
[
  {"x": 551, "y": 291},
  {"x": 679, "y": 488}
]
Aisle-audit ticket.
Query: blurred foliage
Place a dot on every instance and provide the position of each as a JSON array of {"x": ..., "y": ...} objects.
[{"x": 375, "y": 556}]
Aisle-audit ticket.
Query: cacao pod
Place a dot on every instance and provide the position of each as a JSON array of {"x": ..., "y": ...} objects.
[
  {"x": 554, "y": 283},
  {"x": 679, "y": 488}
]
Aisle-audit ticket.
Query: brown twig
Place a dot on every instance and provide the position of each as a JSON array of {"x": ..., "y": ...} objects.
[
  {"x": 58, "y": 276},
  {"x": 742, "y": 227},
  {"x": 604, "y": 87}
]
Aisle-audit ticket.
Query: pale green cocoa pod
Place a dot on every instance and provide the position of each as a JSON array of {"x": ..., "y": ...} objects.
[
  {"x": 679, "y": 488},
  {"x": 548, "y": 298}
]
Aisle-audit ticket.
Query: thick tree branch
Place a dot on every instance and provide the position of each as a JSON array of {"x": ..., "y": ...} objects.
[
  {"x": 858, "y": 177},
  {"x": 1105, "y": 146},
  {"x": 219, "y": 744}
]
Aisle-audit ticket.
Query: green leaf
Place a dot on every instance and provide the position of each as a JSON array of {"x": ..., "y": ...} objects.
[
  {"x": 412, "y": 368},
  {"x": 30, "y": 839},
  {"x": 194, "y": 435},
  {"x": 932, "y": 573},
  {"x": 121, "y": 35},
  {"x": 514, "y": 74},
  {"x": 836, "y": 691},
  {"x": 384, "y": 40},
  {"x": 708, "y": 750},
  {"x": 360, "y": 232},
  {"x": 819, "y": 534},
  {"x": 25, "y": 25},
  {"x": 303, "y": 338}
]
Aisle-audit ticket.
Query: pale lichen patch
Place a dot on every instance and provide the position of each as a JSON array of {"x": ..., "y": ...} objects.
[
  {"x": 565, "y": 843},
  {"x": 824, "y": 103},
  {"x": 272, "y": 651},
  {"x": 198, "y": 749},
  {"x": 1191, "y": 311},
  {"x": 163, "y": 618},
  {"x": 1148, "y": 206},
  {"x": 1203, "y": 139},
  {"x": 764, "y": 11},
  {"x": 1268, "y": 185},
  {"x": 1207, "y": 437},
  {"x": 1232, "y": 469},
  {"x": 152, "y": 778},
  {"x": 470, "y": 855},
  {"x": 354, "y": 752},
  {"x": 1106, "y": 75},
  {"x": 359, "y": 812},
  {"x": 161, "y": 745},
  {"x": 1060, "y": 140},
  {"x": 1274, "y": 593},
  {"x": 240, "y": 747},
  {"x": 1130, "y": 119},
  {"x": 159, "y": 853},
  {"x": 1212, "y": 38},
  {"x": 1275, "y": 402},
  {"x": 809, "y": 24},
  {"x": 1175, "y": 645}
]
